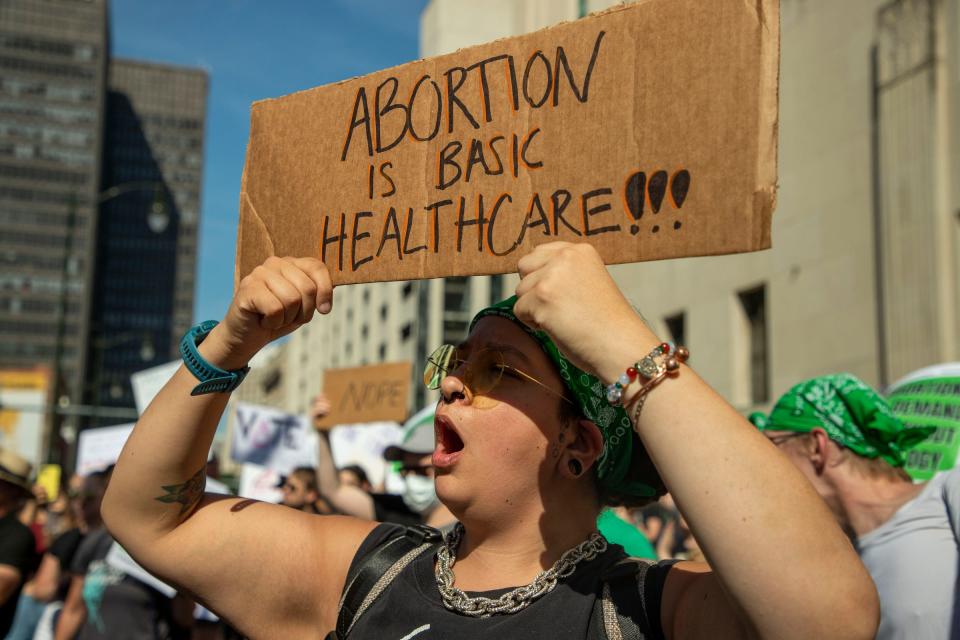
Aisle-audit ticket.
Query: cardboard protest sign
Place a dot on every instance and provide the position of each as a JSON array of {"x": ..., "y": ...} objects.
[
  {"x": 930, "y": 397},
  {"x": 273, "y": 439},
  {"x": 375, "y": 393},
  {"x": 649, "y": 130}
]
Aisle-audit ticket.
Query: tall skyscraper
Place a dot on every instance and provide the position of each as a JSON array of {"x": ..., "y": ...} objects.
[
  {"x": 52, "y": 76},
  {"x": 147, "y": 241},
  {"x": 100, "y": 169}
]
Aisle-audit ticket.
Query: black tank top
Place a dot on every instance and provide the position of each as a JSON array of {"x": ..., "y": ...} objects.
[{"x": 411, "y": 607}]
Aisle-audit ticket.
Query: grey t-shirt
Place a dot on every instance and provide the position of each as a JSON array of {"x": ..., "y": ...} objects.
[
  {"x": 118, "y": 606},
  {"x": 913, "y": 559}
]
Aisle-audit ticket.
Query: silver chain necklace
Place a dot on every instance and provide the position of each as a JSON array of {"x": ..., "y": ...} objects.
[{"x": 517, "y": 599}]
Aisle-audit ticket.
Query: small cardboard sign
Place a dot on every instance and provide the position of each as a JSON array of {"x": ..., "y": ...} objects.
[
  {"x": 375, "y": 393},
  {"x": 649, "y": 131}
]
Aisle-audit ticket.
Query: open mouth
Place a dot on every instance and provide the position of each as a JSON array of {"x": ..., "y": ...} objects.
[{"x": 449, "y": 443}]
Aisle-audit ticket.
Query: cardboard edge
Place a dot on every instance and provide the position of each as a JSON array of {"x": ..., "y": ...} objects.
[
  {"x": 265, "y": 247},
  {"x": 765, "y": 196},
  {"x": 247, "y": 210},
  {"x": 238, "y": 251}
]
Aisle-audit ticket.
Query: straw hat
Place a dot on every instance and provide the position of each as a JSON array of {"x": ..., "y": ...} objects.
[{"x": 15, "y": 470}]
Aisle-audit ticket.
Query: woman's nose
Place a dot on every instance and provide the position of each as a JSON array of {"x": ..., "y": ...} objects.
[{"x": 452, "y": 388}]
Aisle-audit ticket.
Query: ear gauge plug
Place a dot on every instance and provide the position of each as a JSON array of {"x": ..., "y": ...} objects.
[{"x": 575, "y": 467}]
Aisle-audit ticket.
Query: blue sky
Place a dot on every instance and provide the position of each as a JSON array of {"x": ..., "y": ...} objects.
[{"x": 256, "y": 49}]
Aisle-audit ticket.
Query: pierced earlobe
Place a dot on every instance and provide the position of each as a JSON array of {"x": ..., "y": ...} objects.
[{"x": 575, "y": 467}]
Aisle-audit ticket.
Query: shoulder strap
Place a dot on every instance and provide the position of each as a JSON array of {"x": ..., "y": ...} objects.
[
  {"x": 623, "y": 606},
  {"x": 377, "y": 569}
]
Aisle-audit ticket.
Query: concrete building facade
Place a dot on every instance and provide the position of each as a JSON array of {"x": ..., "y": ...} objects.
[{"x": 863, "y": 274}]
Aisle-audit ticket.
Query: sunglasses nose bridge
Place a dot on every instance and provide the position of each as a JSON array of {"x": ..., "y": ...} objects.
[{"x": 474, "y": 374}]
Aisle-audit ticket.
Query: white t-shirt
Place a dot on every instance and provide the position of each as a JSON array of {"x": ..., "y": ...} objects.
[{"x": 913, "y": 559}]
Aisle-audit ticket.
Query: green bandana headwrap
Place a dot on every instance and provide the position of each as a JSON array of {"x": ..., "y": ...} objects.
[
  {"x": 852, "y": 414},
  {"x": 760, "y": 420},
  {"x": 621, "y": 443}
]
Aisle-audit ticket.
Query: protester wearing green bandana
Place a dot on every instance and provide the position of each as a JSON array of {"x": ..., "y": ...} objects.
[
  {"x": 528, "y": 451},
  {"x": 845, "y": 439},
  {"x": 852, "y": 414}
]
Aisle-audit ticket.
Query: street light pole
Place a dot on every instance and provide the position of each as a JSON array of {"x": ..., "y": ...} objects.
[
  {"x": 54, "y": 444},
  {"x": 100, "y": 347},
  {"x": 158, "y": 218}
]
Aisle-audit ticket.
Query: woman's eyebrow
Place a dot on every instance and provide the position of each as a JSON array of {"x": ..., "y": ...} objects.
[
  {"x": 508, "y": 348},
  {"x": 503, "y": 348}
]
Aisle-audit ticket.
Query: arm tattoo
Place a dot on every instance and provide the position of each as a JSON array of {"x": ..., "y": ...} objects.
[{"x": 186, "y": 494}]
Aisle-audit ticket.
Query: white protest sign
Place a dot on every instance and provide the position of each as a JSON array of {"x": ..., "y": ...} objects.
[
  {"x": 259, "y": 483},
  {"x": 215, "y": 486},
  {"x": 118, "y": 558},
  {"x": 147, "y": 383},
  {"x": 97, "y": 449},
  {"x": 272, "y": 438},
  {"x": 23, "y": 400},
  {"x": 363, "y": 444}
]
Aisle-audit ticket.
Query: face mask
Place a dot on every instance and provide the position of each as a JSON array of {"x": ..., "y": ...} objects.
[{"x": 419, "y": 493}]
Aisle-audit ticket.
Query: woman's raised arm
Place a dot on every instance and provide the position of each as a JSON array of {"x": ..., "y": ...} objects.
[
  {"x": 781, "y": 566},
  {"x": 270, "y": 570}
]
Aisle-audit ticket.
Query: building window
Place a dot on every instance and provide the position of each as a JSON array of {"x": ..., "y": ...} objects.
[
  {"x": 754, "y": 345},
  {"x": 406, "y": 331},
  {"x": 456, "y": 293},
  {"x": 407, "y": 290},
  {"x": 677, "y": 328},
  {"x": 272, "y": 380},
  {"x": 383, "y": 351},
  {"x": 364, "y": 331},
  {"x": 496, "y": 288},
  {"x": 454, "y": 331},
  {"x": 383, "y": 312}
]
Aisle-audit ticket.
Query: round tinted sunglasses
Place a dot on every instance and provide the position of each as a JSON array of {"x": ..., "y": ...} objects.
[{"x": 481, "y": 373}]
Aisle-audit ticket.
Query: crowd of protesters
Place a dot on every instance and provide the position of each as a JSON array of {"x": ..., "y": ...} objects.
[
  {"x": 836, "y": 430},
  {"x": 59, "y": 578}
]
